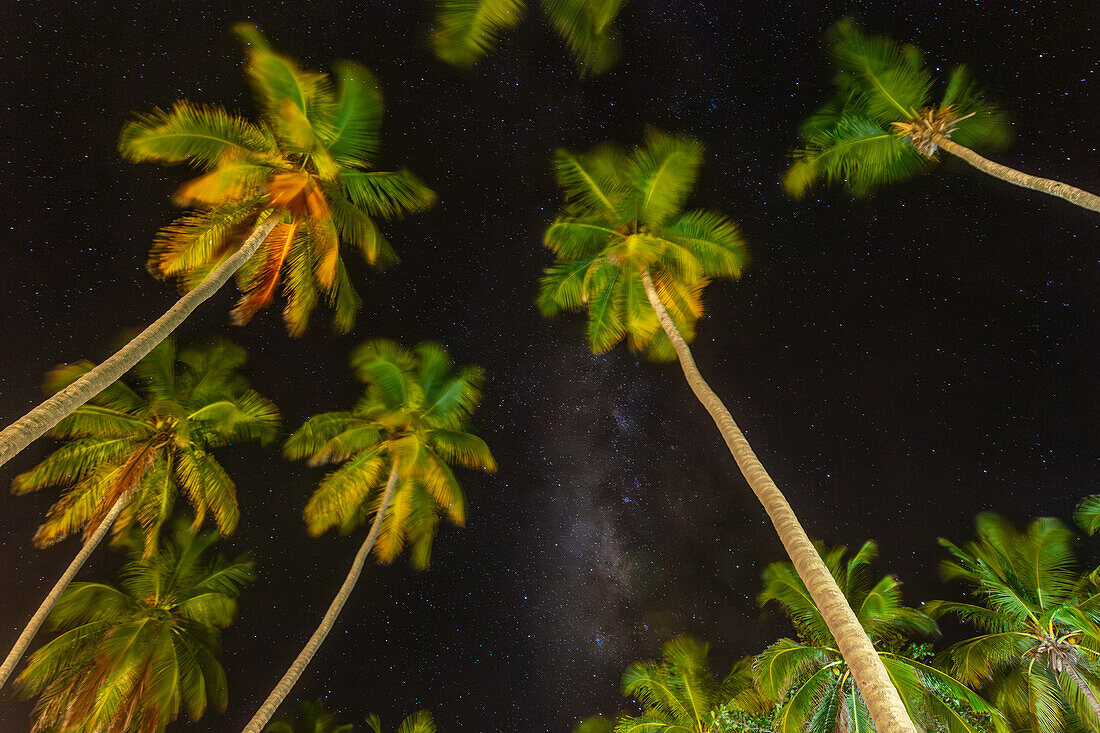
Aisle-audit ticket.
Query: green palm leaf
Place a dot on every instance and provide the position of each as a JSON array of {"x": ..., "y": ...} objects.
[
  {"x": 466, "y": 30},
  {"x": 188, "y": 133}
]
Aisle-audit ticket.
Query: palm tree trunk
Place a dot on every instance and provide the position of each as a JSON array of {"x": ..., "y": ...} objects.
[
  {"x": 24, "y": 640},
  {"x": 1085, "y": 689},
  {"x": 883, "y": 702},
  {"x": 1074, "y": 195},
  {"x": 31, "y": 426},
  {"x": 275, "y": 699}
]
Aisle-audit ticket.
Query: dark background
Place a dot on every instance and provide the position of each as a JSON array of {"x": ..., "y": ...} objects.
[{"x": 899, "y": 364}]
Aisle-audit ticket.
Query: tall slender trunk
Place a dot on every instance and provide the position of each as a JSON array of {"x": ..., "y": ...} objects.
[
  {"x": 24, "y": 640},
  {"x": 31, "y": 426},
  {"x": 275, "y": 699},
  {"x": 883, "y": 702},
  {"x": 1085, "y": 689},
  {"x": 1072, "y": 194}
]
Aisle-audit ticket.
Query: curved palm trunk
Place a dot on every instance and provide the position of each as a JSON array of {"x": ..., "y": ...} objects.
[
  {"x": 31, "y": 426},
  {"x": 1074, "y": 195},
  {"x": 1085, "y": 689},
  {"x": 883, "y": 702},
  {"x": 24, "y": 640},
  {"x": 275, "y": 699}
]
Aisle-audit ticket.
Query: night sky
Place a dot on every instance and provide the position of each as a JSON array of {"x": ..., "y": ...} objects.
[{"x": 898, "y": 364}]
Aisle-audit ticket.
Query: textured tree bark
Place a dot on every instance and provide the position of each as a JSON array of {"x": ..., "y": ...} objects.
[
  {"x": 275, "y": 699},
  {"x": 1085, "y": 689},
  {"x": 884, "y": 704},
  {"x": 35, "y": 423},
  {"x": 25, "y": 639},
  {"x": 1084, "y": 199}
]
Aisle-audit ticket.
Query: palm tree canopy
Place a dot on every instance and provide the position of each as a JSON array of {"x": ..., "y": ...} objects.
[
  {"x": 130, "y": 656},
  {"x": 152, "y": 440},
  {"x": 411, "y": 419},
  {"x": 311, "y": 718},
  {"x": 308, "y": 162},
  {"x": 466, "y": 30},
  {"x": 679, "y": 693},
  {"x": 880, "y": 126},
  {"x": 419, "y": 722},
  {"x": 1038, "y": 618},
  {"x": 1087, "y": 514},
  {"x": 813, "y": 681},
  {"x": 624, "y": 213}
]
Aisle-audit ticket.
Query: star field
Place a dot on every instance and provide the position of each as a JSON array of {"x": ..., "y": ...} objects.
[{"x": 898, "y": 363}]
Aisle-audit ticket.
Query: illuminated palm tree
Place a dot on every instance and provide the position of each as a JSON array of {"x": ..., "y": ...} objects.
[
  {"x": 1039, "y": 650},
  {"x": 679, "y": 694},
  {"x": 312, "y": 718},
  {"x": 130, "y": 657},
  {"x": 273, "y": 204},
  {"x": 629, "y": 255},
  {"x": 393, "y": 448},
  {"x": 131, "y": 451},
  {"x": 882, "y": 125},
  {"x": 812, "y": 678},
  {"x": 420, "y": 722},
  {"x": 466, "y": 30}
]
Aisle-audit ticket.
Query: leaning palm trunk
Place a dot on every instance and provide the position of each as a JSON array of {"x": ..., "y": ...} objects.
[
  {"x": 883, "y": 702},
  {"x": 24, "y": 640},
  {"x": 1085, "y": 689},
  {"x": 275, "y": 699},
  {"x": 35, "y": 423},
  {"x": 1074, "y": 195}
]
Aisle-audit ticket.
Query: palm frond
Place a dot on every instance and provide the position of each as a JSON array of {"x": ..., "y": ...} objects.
[
  {"x": 466, "y": 30},
  {"x": 587, "y": 28},
  {"x": 387, "y": 195},
  {"x": 662, "y": 175},
  {"x": 355, "y": 135},
  {"x": 277, "y": 80},
  {"x": 893, "y": 80},
  {"x": 197, "y": 134},
  {"x": 856, "y": 152}
]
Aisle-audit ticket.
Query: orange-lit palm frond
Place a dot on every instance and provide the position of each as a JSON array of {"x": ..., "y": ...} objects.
[{"x": 261, "y": 290}]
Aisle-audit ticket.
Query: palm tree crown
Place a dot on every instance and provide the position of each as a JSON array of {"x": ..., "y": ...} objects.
[
  {"x": 813, "y": 680},
  {"x": 411, "y": 421},
  {"x": 419, "y": 722},
  {"x": 312, "y": 718},
  {"x": 1040, "y": 622},
  {"x": 624, "y": 216},
  {"x": 466, "y": 30},
  {"x": 308, "y": 162},
  {"x": 882, "y": 125},
  {"x": 131, "y": 656},
  {"x": 146, "y": 444},
  {"x": 679, "y": 694}
]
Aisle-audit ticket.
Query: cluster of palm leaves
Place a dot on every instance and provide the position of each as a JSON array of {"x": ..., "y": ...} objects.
[
  {"x": 466, "y": 30},
  {"x": 130, "y": 658},
  {"x": 277, "y": 202},
  {"x": 1035, "y": 662}
]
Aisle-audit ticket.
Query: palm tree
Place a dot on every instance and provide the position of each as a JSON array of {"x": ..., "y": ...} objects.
[
  {"x": 131, "y": 451},
  {"x": 594, "y": 724},
  {"x": 131, "y": 656},
  {"x": 1040, "y": 642},
  {"x": 815, "y": 683},
  {"x": 393, "y": 447},
  {"x": 679, "y": 694},
  {"x": 629, "y": 254},
  {"x": 290, "y": 188},
  {"x": 466, "y": 30},
  {"x": 312, "y": 718},
  {"x": 882, "y": 126},
  {"x": 420, "y": 722},
  {"x": 1087, "y": 514}
]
